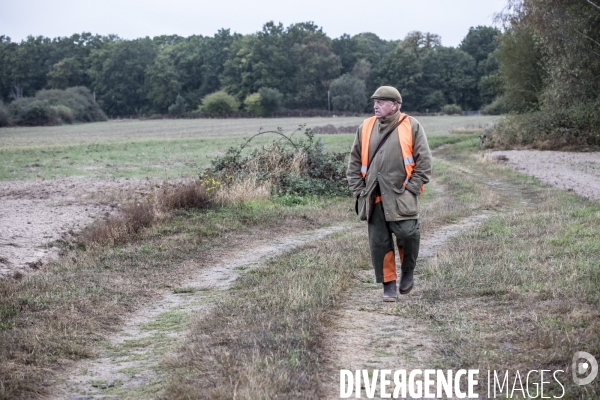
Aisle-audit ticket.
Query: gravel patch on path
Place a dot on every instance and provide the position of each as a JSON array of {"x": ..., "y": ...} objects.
[{"x": 577, "y": 172}]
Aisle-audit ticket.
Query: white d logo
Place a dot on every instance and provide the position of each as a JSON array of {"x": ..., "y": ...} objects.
[{"x": 580, "y": 367}]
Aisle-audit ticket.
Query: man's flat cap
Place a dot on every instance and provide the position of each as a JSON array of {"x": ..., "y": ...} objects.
[{"x": 387, "y": 93}]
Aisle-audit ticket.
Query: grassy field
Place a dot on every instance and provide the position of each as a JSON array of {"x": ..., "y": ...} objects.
[
  {"x": 162, "y": 148},
  {"x": 520, "y": 291}
]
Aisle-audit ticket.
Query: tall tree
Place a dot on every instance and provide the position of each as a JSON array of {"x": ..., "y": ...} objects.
[
  {"x": 118, "y": 73},
  {"x": 215, "y": 51},
  {"x": 346, "y": 49},
  {"x": 451, "y": 72},
  {"x": 550, "y": 65},
  {"x": 8, "y": 50},
  {"x": 68, "y": 72},
  {"x": 70, "y": 59},
  {"x": 480, "y": 42},
  {"x": 401, "y": 69},
  {"x": 317, "y": 66},
  {"x": 297, "y": 61},
  {"x": 260, "y": 60},
  {"x": 420, "y": 43},
  {"x": 26, "y": 66},
  {"x": 163, "y": 80},
  {"x": 490, "y": 85},
  {"x": 363, "y": 46}
]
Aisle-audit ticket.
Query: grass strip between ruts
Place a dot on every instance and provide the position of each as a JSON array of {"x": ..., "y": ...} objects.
[{"x": 263, "y": 339}]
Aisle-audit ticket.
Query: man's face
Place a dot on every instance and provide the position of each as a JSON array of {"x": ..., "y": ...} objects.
[{"x": 384, "y": 108}]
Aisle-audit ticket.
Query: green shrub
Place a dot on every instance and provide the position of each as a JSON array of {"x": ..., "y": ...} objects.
[
  {"x": 64, "y": 113},
  {"x": 219, "y": 103},
  {"x": 253, "y": 104},
  {"x": 497, "y": 107},
  {"x": 79, "y": 99},
  {"x": 270, "y": 100},
  {"x": 348, "y": 93},
  {"x": 4, "y": 115},
  {"x": 53, "y": 106},
  {"x": 575, "y": 127},
  {"x": 177, "y": 108},
  {"x": 30, "y": 111},
  {"x": 293, "y": 168},
  {"x": 434, "y": 101},
  {"x": 451, "y": 109}
]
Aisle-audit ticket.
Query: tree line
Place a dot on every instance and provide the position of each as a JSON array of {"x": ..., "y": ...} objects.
[
  {"x": 293, "y": 67},
  {"x": 549, "y": 70}
]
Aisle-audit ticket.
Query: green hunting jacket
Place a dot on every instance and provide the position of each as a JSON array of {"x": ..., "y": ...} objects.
[{"x": 387, "y": 169}]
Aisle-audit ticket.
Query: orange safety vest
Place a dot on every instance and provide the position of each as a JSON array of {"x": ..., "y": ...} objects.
[{"x": 406, "y": 146}]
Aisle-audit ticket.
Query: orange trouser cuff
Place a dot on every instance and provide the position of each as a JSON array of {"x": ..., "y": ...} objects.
[{"x": 389, "y": 267}]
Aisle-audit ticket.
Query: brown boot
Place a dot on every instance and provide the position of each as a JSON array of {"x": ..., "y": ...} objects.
[
  {"x": 389, "y": 291},
  {"x": 406, "y": 282}
]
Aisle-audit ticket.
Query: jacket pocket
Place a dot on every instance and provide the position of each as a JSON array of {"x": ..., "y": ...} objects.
[
  {"x": 408, "y": 203},
  {"x": 361, "y": 207}
]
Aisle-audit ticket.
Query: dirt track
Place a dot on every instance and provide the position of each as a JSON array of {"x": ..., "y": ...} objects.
[
  {"x": 577, "y": 172},
  {"x": 124, "y": 354}
]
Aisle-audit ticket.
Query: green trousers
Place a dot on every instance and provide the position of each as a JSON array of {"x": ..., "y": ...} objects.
[{"x": 408, "y": 238}]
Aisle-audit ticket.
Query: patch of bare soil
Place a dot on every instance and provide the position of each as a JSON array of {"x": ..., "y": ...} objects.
[
  {"x": 577, "y": 172},
  {"x": 366, "y": 335},
  {"x": 34, "y": 214},
  {"x": 128, "y": 367}
]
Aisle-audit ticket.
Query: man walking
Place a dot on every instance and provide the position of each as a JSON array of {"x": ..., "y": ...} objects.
[{"x": 390, "y": 162}]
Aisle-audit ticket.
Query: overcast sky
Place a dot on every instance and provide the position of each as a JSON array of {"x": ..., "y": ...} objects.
[{"x": 389, "y": 19}]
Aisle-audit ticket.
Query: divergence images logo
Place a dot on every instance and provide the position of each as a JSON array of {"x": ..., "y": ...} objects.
[{"x": 584, "y": 364}]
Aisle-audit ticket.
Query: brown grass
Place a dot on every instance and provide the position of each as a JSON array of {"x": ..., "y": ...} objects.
[
  {"x": 185, "y": 195},
  {"x": 522, "y": 290},
  {"x": 121, "y": 228},
  {"x": 470, "y": 128},
  {"x": 457, "y": 194},
  {"x": 132, "y": 218},
  {"x": 241, "y": 191},
  {"x": 519, "y": 292},
  {"x": 252, "y": 182}
]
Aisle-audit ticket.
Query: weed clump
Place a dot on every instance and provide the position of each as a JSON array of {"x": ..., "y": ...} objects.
[
  {"x": 284, "y": 167},
  {"x": 571, "y": 128},
  {"x": 118, "y": 229},
  {"x": 187, "y": 195},
  {"x": 133, "y": 218}
]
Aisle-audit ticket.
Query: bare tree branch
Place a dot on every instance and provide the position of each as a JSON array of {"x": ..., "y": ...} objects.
[
  {"x": 595, "y": 5},
  {"x": 587, "y": 37},
  {"x": 278, "y": 132}
]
